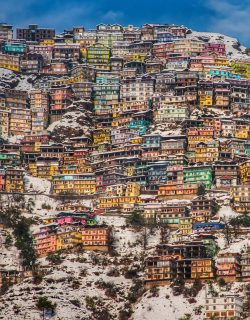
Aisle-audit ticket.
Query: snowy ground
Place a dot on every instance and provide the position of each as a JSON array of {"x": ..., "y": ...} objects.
[{"x": 232, "y": 45}]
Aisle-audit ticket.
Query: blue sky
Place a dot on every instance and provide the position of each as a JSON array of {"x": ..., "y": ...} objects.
[{"x": 231, "y": 17}]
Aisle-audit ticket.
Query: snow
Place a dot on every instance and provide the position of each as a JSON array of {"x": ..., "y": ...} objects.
[
  {"x": 226, "y": 213},
  {"x": 24, "y": 85},
  {"x": 167, "y": 306},
  {"x": 68, "y": 120},
  {"x": 15, "y": 139},
  {"x": 38, "y": 185},
  {"x": 220, "y": 38},
  {"x": 5, "y": 72}
]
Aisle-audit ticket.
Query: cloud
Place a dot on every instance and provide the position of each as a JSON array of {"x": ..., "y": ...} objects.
[
  {"x": 112, "y": 16},
  {"x": 230, "y": 17}
]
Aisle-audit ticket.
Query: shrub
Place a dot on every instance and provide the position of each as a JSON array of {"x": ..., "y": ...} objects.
[
  {"x": 46, "y": 206},
  {"x": 45, "y": 303},
  {"x": 221, "y": 282},
  {"x": 8, "y": 241},
  {"x": 155, "y": 291},
  {"x": 54, "y": 258},
  {"x": 37, "y": 277},
  {"x": 136, "y": 219}
]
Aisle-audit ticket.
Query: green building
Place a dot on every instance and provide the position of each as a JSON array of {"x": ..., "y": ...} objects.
[{"x": 198, "y": 174}]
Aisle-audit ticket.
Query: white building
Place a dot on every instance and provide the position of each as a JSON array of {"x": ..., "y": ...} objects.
[{"x": 225, "y": 306}]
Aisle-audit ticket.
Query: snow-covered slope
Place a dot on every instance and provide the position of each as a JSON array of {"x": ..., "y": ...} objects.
[
  {"x": 75, "y": 122},
  {"x": 233, "y": 48}
]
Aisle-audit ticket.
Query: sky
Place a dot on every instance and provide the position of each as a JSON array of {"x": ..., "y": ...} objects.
[{"x": 230, "y": 17}]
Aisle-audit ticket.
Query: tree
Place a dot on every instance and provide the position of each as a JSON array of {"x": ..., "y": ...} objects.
[
  {"x": 136, "y": 219},
  {"x": 247, "y": 51},
  {"x": 8, "y": 241},
  {"x": 215, "y": 208},
  {"x": 12, "y": 218},
  {"x": 55, "y": 257},
  {"x": 30, "y": 205},
  {"x": 5, "y": 285},
  {"x": 243, "y": 221},
  {"x": 24, "y": 242},
  {"x": 44, "y": 303},
  {"x": 227, "y": 233},
  {"x": 222, "y": 282},
  {"x": 201, "y": 190}
]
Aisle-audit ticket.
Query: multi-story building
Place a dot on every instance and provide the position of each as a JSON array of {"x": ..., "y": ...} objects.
[
  {"x": 225, "y": 306},
  {"x": 39, "y": 106},
  {"x": 96, "y": 238},
  {"x": 202, "y": 268},
  {"x": 177, "y": 191},
  {"x": 99, "y": 56},
  {"x": 218, "y": 48},
  {"x": 14, "y": 178},
  {"x": 160, "y": 270},
  {"x": 34, "y": 33},
  {"x": 245, "y": 266},
  {"x": 189, "y": 47},
  {"x": 228, "y": 266},
  {"x": 242, "y": 67},
  {"x": 6, "y": 32},
  {"x": 206, "y": 151},
  {"x": 137, "y": 89},
  {"x": 196, "y": 135},
  {"x": 60, "y": 99},
  {"x": 171, "y": 214},
  {"x": 202, "y": 174},
  {"x": 240, "y": 195},
  {"x": 226, "y": 174},
  {"x": 202, "y": 209},
  {"x": 66, "y": 51},
  {"x": 244, "y": 169},
  {"x": 20, "y": 121},
  {"x": 10, "y": 62},
  {"x": 79, "y": 184}
]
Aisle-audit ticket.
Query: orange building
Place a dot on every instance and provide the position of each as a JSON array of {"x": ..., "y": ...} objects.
[
  {"x": 178, "y": 191},
  {"x": 228, "y": 266}
]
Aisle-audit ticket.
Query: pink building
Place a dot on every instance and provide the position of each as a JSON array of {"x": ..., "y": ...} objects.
[{"x": 218, "y": 48}]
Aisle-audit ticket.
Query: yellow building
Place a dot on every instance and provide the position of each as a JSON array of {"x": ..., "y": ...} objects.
[
  {"x": 4, "y": 122},
  {"x": 68, "y": 239},
  {"x": 185, "y": 225},
  {"x": 20, "y": 121},
  {"x": 44, "y": 169},
  {"x": 10, "y": 62},
  {"x": 242, "y": 131},
  {"x": 221, "y": 61},
  {"x": 207, "y": 151},
  {"x": 116, "y": 190},
  {"x": 116, "y": 202},
  {"x": 39, "y": 105},
  {"x": 188, "y": 47},
  {"x": 139, "y": 57},
  {"x": 132, "y": 189},
  {"x": 244, "y": 168},
  {"x": 47, "y": 42},
  {"x": 14, "y": 180},
  {"x": 242, "y": 67},
  {"x": 202, "y": 268},
  {"x": 99, "y": 56},
  {"x": 241, "y": 198},
  {"x": 101, "y": 136},
  {"x": 80, "y": 184},
  {"x": 136, "y": 140},
  {"x": 206, "y": 99}
]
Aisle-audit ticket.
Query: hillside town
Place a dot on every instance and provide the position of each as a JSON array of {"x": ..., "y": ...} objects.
[{"x": 124, "y": 174}]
